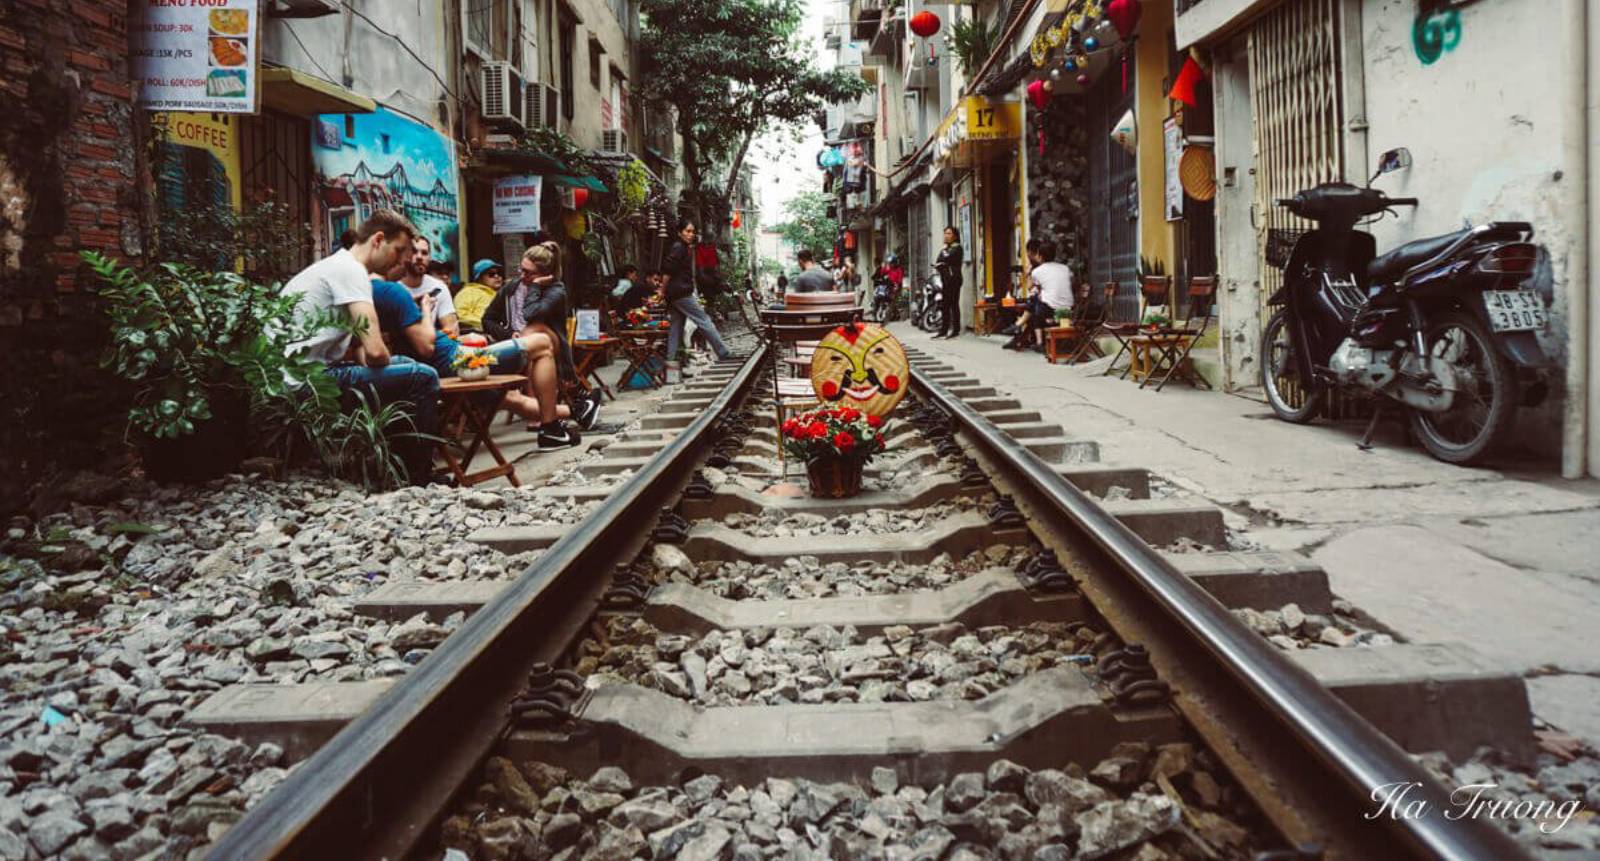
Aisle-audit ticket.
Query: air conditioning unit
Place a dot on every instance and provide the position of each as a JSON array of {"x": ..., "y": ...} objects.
[
  {"x": 613, "y": 140},
  {"x": 502, "y": 93},
  {"x": 543, "y": 106}
]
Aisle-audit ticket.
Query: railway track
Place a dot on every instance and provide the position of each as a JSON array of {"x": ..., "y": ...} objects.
[{"x": 996, "y": 610}]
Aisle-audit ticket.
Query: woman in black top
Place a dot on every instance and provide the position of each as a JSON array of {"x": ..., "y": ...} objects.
[
  {"x": 948, "y": 265},
  {"x": 681, "y": 303}
]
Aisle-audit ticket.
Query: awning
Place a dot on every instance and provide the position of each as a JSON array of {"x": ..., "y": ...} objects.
[
  {"x": 509, "y": 160},
  {"x": 570, "y": 181},
  {"x": 292, "y": 91}
]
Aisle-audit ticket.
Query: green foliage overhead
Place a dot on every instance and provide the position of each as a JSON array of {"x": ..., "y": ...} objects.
[
  {"x": 973, "y": 41},
  {"x": 729, "y": 69},
  {"x": 809, "y": 225}
]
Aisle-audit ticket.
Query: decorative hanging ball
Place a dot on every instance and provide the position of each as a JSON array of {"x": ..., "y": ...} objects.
[
  {"x": 580, "y": 196},
  {"x": 1055, "y": 74},
  {"x": 1090, "y": 43},
  {"x": 1071, "y": 64},
  {"x": 1083, "y": 80},
  {"x": 1049, "y": 86},
  {"x": 1083, "y": 62},
  {"x": 924, "y": 23}
]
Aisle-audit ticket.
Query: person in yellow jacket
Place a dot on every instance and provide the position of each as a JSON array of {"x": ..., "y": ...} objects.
[{"x": 474, "y": 296}]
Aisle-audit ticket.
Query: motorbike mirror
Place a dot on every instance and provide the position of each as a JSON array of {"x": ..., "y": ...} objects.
[{"x": 1391, "y": 161}]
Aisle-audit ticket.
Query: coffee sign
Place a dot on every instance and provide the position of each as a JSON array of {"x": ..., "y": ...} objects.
[{"x": 196, "y": 55}]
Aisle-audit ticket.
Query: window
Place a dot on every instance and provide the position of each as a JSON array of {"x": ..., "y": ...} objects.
[
  {"x": 487, "y": 25},
  {"x": 596, "y": 56},
  {"x": 569, "y": 40}
]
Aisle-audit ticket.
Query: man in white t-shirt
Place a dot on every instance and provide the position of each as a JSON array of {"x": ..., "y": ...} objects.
[
  {"x": 1052, "y": 292},
  {"x": 363, "y": 364},
  {"x": 420, "y": 283}
]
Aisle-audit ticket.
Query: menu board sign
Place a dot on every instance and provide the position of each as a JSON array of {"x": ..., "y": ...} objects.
[
  {"x": 516, "y": 203},
  {"x": 196, "y": 55}
]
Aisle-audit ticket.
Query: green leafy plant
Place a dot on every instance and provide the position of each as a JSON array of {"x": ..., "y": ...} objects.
[
  {"x": 186, "y": 339},
  {"x": 553, "y": 142},
  {"x": 182, "y": 336},
  {"x": 1149, "y": 268},
  {"x": 972, "y": 41}
]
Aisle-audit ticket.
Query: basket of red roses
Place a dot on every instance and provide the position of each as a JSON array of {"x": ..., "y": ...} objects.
[{"x": 835, "y": 445}]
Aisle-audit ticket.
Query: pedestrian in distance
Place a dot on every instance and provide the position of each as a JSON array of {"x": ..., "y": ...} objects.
[
  {"x": 812, "y": 278},
  {"x": 948, "y": 265}
]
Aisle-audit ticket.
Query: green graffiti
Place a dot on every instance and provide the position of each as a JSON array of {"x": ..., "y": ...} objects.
[{"x": 1435, "y": 33}]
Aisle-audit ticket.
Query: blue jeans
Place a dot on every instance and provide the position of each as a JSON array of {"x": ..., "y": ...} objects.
[
  {"x": 402, "y": 380},
  {"x": 688, "y": 307}
]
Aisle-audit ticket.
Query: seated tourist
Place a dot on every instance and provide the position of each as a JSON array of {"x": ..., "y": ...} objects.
[
  {"x": 475, "y": 295},
  {"x": 1052, "y": 292},
  {"x": 365, "y": 365},
  {"x": 535, "y": 306}
]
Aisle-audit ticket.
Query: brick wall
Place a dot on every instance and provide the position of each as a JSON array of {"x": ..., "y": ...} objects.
[{"x": 67, "y": 182}]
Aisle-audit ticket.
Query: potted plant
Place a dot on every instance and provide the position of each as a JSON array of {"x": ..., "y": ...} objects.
[
  {"x": 1157, "y": 286},
  {"x": 471, "y": 365},
  {"x": 835, "y": 445},
  {"x": 194, "y": 348}
]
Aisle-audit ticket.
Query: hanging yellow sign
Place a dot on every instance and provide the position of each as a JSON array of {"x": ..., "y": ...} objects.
[{"x": 993, "y": 120}]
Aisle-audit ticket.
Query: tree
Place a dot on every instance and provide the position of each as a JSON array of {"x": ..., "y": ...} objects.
[
  {"x": 729, "y": 69},
  {"x": 809, "y": 225}
]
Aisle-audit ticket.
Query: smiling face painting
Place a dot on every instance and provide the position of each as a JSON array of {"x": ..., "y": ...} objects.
[{"x": 860, "y": 366}]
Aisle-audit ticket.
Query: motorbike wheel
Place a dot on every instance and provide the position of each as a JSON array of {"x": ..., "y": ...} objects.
[
  {"x": 1486, "y": 397},
  {"x": 933, "y": 321},
  {"x": 1292, "y": 399}
]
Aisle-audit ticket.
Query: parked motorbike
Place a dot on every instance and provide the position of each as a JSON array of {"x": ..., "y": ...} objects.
[
  {"x": 882, "y": 298},
  {"x": 926, "y": 311},
  {"x": 1445, "y": 326}
]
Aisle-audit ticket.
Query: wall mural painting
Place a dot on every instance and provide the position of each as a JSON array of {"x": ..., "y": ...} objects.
[
  {"x": 1435, "y": 31},
  {"x": 384, "y": 160},
  {"x": 861, "y": 366}
]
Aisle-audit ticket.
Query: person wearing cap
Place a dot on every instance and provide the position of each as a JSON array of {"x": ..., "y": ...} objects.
[{"x": 474, "y": 297}]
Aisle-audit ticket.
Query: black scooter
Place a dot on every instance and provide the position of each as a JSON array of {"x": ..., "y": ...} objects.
[{"x": 1444, "y": 326}]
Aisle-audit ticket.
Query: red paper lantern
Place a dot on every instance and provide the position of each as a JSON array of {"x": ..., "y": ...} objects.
[
  {"x": 1124, "y": 15},
  {"x": 580, "y": 196},
  {"x": 1189, "y": 77},
  {"x": 736, "y": 222},
  {"x": 924, "y": 23}
]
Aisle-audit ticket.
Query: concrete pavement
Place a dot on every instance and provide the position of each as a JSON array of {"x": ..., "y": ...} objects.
[{"x": 1504, "y": 559}]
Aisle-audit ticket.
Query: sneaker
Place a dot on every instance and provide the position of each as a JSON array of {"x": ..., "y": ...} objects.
[
  {"x": 587, "y": 410},
  {"x": 557, "y": 436}
]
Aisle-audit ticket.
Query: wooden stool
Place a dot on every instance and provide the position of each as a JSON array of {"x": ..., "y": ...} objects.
[
  {"x": 983, "y": 318},
  {"x": 1142, "y": 351},
  {"x": 1059, "y": 342},
  {"x": 586, "y": 358},
  {"x": 461, "y": 413}
]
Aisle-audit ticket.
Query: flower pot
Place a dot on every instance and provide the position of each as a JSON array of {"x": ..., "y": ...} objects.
[
  {"x": 473, "y": 374},
  {"x": 834, "y": 477}
]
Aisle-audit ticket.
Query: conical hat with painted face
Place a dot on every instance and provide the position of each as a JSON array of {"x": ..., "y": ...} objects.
[{"x": 860, "y": 366}]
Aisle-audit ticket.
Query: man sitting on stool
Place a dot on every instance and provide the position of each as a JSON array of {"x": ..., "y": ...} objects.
[{"x": 1052, "y": 292}]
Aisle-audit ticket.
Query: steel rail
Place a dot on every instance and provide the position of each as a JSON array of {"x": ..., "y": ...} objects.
[
  {"x": 375, "y": 789},
  {"x": 1357, "y": 753}
]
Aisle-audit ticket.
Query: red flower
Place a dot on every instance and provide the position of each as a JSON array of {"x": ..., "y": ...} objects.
[
  {"x": 849, "y": 415},
  {"x": 818, "y": 430},
  {"x": 874, "y": 421},
  {"x": 844, "y": 441},
  {"x": 789, "y": 427}
]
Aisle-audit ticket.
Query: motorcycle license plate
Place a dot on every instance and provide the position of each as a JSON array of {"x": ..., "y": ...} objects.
[{"x": 1514, "y": 310}]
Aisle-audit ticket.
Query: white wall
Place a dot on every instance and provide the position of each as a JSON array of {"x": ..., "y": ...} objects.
[
  {"x": 1488, "y": 127},
  {"x": 351, "y": 52}
]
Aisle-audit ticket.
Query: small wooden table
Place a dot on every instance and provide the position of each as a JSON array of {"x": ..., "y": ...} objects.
[
  {"x": 1143, "y": 349},
  {"x": 586, "y": 357},
  {"x": 461, "y": 400}
]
